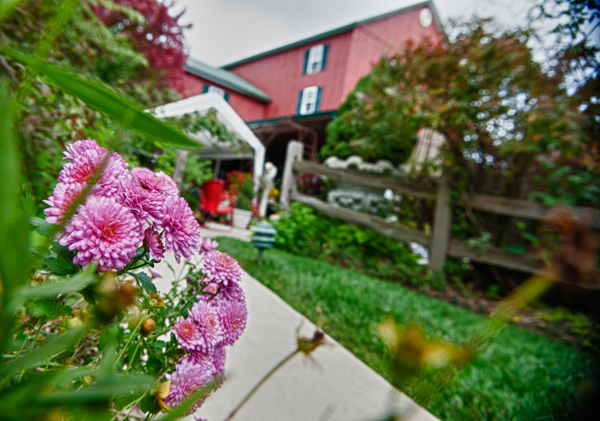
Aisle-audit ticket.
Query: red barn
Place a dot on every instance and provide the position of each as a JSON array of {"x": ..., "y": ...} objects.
[{"x": 293, "y": 91}]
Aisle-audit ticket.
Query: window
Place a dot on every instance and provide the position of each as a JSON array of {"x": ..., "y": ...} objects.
[
  {"x": 216, "y": 90},
  {"x": 315, "y": 59},
  {"x": 309, "y": 100}
]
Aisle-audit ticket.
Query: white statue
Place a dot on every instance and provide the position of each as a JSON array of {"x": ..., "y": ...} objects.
[{"x": 268, "y": 177}]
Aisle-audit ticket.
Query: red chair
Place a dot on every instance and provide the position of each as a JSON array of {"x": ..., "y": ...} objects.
[{"x": 212, "y": 194}]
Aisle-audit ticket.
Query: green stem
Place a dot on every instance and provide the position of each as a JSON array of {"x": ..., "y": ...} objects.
[
  {"x": 37, "y": 335},
  {"x": 132, "y": 406},
  {"x": 142, "y": 318},
  {"x": 133, "y": 355},
  {"x": 26, "y": 338},
  {"x": 259, "y": 384}
]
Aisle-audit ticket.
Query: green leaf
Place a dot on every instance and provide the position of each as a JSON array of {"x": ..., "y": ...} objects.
[
  {"x": 39, "y": 355},
  {"x": 101, "y": 98},
  {"x": 154, "y": 364},
  {"x": 60, "y": 266},
  {"x": 52, "y": 289},
  {"x": 516, "y": 249},
  {"x": 49, "y": 308},
  {"x": 145, "y": 280},
  {"x": 531, "y": 238},
  {"x": 62, "y": 251},
  {"x": 43, "y": 228},
  {"x": 101, "y": 391},
  {"x": 149, "y": 405},
  {"x": 5, "y": 6},
  {"x": 15, "y": 260}
]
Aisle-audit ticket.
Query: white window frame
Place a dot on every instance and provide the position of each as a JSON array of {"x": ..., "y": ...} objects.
[
  {"x": 314, "y": 63},
  {"x": 310, "y": 96},
  {"x": 216, "y": 90}
]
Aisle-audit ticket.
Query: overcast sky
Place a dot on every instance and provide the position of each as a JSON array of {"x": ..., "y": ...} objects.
[{"x": 227, "y": 30}]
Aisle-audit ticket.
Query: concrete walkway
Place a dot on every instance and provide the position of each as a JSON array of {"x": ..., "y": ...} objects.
[{"x": 341, "y": 388}]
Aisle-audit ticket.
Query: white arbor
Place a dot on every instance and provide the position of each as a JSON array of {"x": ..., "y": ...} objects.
[{"x": 213, "y": 148}]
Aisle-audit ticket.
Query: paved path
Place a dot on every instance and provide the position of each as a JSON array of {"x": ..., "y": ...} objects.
[{"x": 341, "y": 388}]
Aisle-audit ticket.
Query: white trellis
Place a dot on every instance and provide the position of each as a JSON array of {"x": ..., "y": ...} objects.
[{"x": 213, "y": 148}]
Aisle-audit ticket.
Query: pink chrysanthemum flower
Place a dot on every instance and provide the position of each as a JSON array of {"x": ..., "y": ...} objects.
[
  {"x": 154, "y": 244},
  {"x": 102, "y": 230},
  {"x": 233, "y": 315},
  {"x": 187, "y": 378},
  {"x": 221, "y": 268},
  {"x": 205, "y": 360},
  {"x": 83, "y": 167},
  {"x": 207, "y": 245},
  {"x": 145, "y": 205},
  {"x": 80, "y": 147},
  {"x": 181, "y": 230},
  {"x": 63, "y": 197},
  {"x": 208, "y": 292},
  {"x": 156, "y": 181},
  {"x": 219, "y": 361},
  {"x": 209, "y": 325},
  {"x": 188, "y": 333},
  {"x": 231, "y": 292}
]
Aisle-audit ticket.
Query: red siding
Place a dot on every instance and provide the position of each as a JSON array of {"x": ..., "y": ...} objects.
[
  {"x": 280, "y": 75},
  {"x": 248, "y": 109},
  {"x": 371, "y": 40},
  {"x": 351, "y": 55}
]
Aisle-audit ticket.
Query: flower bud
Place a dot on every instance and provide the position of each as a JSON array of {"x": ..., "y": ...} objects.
[{"x": 147, "y": 327}]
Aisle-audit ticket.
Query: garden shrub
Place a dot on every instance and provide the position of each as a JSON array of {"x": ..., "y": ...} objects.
[
  {"x": 511, "y": 128},
  {"x": 303, "y": 231}
]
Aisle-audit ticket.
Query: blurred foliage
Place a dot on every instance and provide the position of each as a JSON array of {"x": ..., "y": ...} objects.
[
  {"x": 515, "y": 127},
  {"x": 99, "y": 38},
  {"x": 48, "y": 117},
  {"x": 244, "y": 200},
  {"x": 159, "y": 35},
  {"x": 501, "y": 114},
  {"x": 70, "y": 340},
  {"x": 304, "y": 232},
  {"x": 240, "y": 185}
]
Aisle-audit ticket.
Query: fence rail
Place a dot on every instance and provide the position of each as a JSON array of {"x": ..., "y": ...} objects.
[{"x": 439, "y": 242}]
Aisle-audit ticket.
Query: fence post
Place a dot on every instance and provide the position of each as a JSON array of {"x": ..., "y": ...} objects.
[
  {"x": 288, "y": 183},
  {"x": 179, "y": 169},
  {"x": 442, "y": 222}
]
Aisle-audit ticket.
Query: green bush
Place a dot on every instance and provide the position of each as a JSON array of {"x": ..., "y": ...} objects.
[
  {"x": 244, "y": 201},
  {"x": 302, "y": 231}
]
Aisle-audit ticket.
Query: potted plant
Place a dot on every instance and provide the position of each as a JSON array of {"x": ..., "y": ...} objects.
[{"x": 241, "y": 187}]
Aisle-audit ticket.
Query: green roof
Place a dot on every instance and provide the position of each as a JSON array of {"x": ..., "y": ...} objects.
[
  {"x": 339, "y": 30},
  {"x": 224, "y": 78}
]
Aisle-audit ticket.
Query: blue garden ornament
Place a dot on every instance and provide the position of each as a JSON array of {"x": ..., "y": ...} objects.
[{"x": 263, "y": 238}]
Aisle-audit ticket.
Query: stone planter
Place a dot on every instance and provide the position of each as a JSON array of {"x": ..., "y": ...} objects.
[{"x": 241, "y": 218}]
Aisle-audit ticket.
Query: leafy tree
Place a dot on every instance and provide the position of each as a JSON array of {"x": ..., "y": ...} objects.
[
  {"x": 159, "y": 36},
  {"x": 504, "y": 118},
  {"x": 48, "y": 118}
]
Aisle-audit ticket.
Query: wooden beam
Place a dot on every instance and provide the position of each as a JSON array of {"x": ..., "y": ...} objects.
[
  {"x": 525, "y": 209},
  {"x": 375, "y": 223},
  {"x": 363, "y": 179},
  {"x": 494, "y": 256}
]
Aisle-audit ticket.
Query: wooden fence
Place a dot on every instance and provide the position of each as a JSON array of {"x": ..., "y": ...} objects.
[{"x": 439, "y": 242}]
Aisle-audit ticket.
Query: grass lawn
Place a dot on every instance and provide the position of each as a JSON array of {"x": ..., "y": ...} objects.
[{"x": 521, "y": 376}]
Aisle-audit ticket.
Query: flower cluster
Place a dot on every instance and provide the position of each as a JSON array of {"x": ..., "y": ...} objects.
[
  {"x": 216, "y": 320},
  {"x": 122, "y": 209}
]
